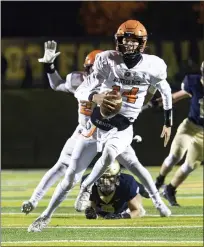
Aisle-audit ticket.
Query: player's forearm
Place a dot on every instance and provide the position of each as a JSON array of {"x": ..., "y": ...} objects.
[
  {"x": 165, "y": 91},
  {"x": 56, "y": 82},
  {"x": 177, "y": 96}
]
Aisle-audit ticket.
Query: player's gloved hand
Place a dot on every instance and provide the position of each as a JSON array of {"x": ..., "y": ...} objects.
[
  {"x": 49, "y": 55},
  {"x": 90, "y": 213},
  {"x": 137, "y": 138},
  {"x": 103, "y": 98},
  {"x": 112, "y": 216}
]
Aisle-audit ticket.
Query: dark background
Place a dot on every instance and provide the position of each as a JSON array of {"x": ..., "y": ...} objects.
[
  {"x": 166, "y": 20},
  {"x": 37, "y": 121}
]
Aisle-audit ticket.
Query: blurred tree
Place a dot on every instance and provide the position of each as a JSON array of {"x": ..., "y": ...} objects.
[
  {"x": 199, "y": 7},
  {"x": 104, "y": 17}
]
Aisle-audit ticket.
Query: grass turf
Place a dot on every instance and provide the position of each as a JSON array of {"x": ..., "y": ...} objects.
[{"x": 69, "y": 228}]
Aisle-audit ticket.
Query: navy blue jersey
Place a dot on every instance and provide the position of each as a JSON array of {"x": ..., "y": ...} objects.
[
  {"x": 193, "y": 86},
  {"x": 127, "y": 190}
]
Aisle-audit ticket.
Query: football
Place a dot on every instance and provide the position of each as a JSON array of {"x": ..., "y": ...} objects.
[{"x": 105, "y": 111}]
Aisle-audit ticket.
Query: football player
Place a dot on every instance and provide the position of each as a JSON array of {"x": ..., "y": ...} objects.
[
  {"x": 129, "y": 72},
  {"x": 73, "y": 80},
  {"x": 126, "y": 69},
  {"x": 116, "y": 195},
  {"x": 188, "y": 139}
]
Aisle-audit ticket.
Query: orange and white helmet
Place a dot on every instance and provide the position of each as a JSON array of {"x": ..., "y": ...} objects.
[
  {"x": 131, "y": 30},
  {"x": 89, "y": 60}
]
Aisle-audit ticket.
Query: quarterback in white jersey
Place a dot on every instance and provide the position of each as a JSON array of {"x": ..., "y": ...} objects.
[
  {"x": 129, "y": 72},
  {"x": 72, "y": 82}
]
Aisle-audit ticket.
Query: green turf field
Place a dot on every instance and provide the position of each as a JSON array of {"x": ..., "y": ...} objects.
[{"x": 69, "y": 228}]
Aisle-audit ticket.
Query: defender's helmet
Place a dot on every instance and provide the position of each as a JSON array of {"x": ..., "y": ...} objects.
[
  {"x": 131, "y": 37},
  {"x": 110, "y": 179},
  {"x": 89, "y": 60}
]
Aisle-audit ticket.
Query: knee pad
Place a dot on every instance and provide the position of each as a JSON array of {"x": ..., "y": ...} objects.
[
  {"x": 68, "y": 180},
  {"x": 66, "y": 185},
  {"x": 171, "y": 160}
]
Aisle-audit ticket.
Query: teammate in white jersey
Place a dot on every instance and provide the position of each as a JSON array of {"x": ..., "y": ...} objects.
[
  {"x": 73, "y": 80},
  {"x": 129, "y": 72}
]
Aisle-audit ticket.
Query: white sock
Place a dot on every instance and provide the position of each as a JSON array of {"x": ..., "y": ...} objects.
[
  {"x": 58, "y": 197},
  {"x": 50, "y": 177},
  {"x": 146, "y": 179}
]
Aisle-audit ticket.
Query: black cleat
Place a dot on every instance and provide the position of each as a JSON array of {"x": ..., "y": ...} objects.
[
  {"x": 159, "y": 182},
  {"x": 170, "y": 195}
]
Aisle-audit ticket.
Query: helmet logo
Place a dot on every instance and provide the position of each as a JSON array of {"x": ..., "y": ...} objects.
[{"x": 127, "y": 74}]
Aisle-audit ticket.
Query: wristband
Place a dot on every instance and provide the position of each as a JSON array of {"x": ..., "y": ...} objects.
[
  {"x": 49, "y": 68},
  {"x": 90, "y": 98},
  {"x": 168, "y": 118}
]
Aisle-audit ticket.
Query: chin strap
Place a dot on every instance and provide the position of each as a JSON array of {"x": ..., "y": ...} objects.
[{"x": 132, "y": 59}]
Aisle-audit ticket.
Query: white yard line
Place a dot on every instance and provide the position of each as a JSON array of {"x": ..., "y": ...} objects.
[
  {"x": 107, "y": 227},
  {"x": 102, "y": 241},
  {"x": 82, "y": 214},
  {"x": 73, "y": 199}
]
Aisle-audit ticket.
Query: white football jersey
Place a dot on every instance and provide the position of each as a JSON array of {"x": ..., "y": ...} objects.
[
  {"x": 110, "y": 72},
  {"x": 73, "y": 81}
]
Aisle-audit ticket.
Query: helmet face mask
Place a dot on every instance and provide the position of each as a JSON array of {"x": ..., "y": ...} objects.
[
  {"x": 130, "y": 44},
  {"x": 108, "y": 182}
]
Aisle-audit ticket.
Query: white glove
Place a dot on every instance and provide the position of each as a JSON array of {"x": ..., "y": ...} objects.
[
  {"x": 49, "y": 55},
  {"x": 137, "y": 138}
]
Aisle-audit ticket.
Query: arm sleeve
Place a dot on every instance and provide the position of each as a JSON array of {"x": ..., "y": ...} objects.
[
  {"x": 162, "y": 85},
  {"x": 94, "y": 80},
  {"x": 165, "y": 90},
  {"x": 57, "y": 83}
]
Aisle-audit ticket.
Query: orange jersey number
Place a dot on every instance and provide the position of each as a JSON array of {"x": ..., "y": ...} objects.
[
  {"x": 131, "y": 95},
  {"x": 86, "y": 108}
]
